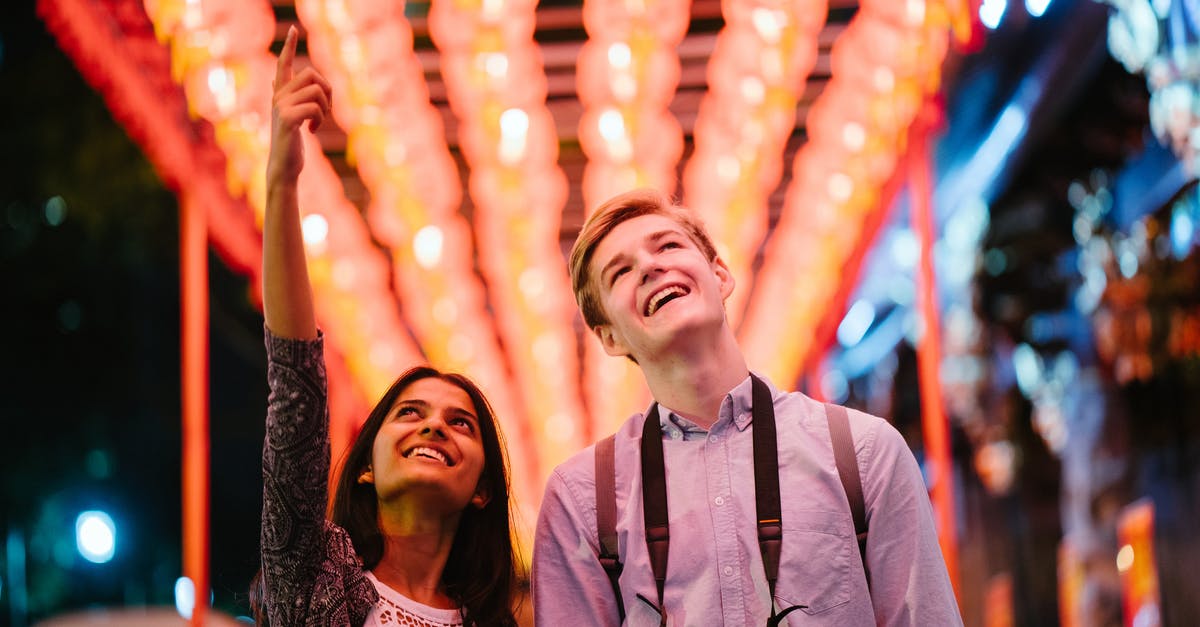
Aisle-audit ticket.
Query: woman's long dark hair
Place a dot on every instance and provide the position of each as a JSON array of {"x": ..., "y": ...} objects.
[{"x": 481, "y": 571}]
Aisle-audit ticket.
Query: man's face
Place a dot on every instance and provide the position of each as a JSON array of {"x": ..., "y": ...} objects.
[{"x": 656, "y": 287}]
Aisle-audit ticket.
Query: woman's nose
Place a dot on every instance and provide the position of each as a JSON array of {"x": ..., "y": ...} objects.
[{"x": 434, "y": 426}]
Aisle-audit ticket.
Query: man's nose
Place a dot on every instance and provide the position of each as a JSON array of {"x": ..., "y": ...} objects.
[{"x": 648, "y": 266}]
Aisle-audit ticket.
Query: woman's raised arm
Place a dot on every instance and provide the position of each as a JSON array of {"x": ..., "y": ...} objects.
[{"x": 287, "y": 295}]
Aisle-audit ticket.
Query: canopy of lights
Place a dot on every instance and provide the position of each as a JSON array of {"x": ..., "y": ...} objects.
[{"x": 408, "y": 279}]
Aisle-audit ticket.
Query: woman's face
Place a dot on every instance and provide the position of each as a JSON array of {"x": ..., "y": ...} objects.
[{"x": 430, "y": 447}]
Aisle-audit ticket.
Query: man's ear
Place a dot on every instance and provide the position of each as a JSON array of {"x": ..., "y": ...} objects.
[
  {"x": 724, "y": 277},
  {"x": 608, "y": 339}
]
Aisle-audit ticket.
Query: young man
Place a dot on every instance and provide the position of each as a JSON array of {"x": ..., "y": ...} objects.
[{"x": 652, "y": 288}]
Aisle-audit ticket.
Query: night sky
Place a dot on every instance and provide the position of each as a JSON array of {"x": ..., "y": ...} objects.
[{"x": 89, "y": 386}]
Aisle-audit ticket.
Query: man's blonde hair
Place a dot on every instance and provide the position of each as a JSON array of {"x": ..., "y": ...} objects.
[{"x": 618, "y": 209}]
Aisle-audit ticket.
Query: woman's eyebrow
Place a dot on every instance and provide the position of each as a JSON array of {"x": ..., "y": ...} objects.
[{"x": 462, "y": 413}]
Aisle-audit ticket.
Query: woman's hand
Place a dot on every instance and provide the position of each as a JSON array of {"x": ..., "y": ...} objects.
[
  {"x": 304, "y": 96},
  {"x": 287, "y": 295}
]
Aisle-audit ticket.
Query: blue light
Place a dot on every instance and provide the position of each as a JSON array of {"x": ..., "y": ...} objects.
[
  {"x": 1028, "y": 366},
  {"x": 856, "y": 323},
  {"x": 1183, "y": 230},
  {"x": 1036, "y": 8},
  {"x": 185, "y": 596},
  {"x": 991, "y": 12},
  {"x": 95, "y": 536}
]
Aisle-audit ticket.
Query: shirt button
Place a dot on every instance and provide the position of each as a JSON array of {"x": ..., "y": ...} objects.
[
  {"x": 728, "y": 570},
  {"x": 714, "y": 438},
  {"x": 720, "y": 500}
]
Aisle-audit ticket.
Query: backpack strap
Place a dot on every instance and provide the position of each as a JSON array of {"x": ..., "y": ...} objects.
[
  {"x": 847, "y": 466},
  {"x": 606, "y": 516}
]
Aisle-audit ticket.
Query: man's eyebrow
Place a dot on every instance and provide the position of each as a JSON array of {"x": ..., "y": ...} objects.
[
  {"x": 616, "y": 260},
  {"x": 652, "y": 237}
]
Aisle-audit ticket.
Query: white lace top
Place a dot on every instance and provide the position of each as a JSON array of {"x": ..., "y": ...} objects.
[{"x": 396, "y": 610}]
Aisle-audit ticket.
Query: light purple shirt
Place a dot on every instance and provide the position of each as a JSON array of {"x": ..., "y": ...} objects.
[{"x": 714, "y": 572}]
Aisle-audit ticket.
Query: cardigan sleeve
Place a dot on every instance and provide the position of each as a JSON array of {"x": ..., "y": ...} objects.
[{"x": 310, "y": 572}]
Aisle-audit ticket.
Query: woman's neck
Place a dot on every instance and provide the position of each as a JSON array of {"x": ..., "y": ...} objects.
[{"x": 415, "y": 551}]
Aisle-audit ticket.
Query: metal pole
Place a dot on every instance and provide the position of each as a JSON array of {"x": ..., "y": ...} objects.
[{"x": 193, "y": 266}]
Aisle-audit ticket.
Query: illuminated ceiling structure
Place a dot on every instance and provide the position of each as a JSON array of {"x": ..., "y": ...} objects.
[{"x": 470, "y": 137}]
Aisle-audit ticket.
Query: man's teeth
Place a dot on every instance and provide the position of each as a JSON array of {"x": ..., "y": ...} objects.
[
  {"x": 422, "y": 451},
  {"x": 663, "y": 296}
]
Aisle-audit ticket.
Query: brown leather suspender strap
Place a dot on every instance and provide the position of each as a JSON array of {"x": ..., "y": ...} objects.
[
  {"x": 606, "y": 516},
  {"x": 847, "y": 466},
  {"x": 766, "y": 489},
  {"x": 654, "y": 504}
]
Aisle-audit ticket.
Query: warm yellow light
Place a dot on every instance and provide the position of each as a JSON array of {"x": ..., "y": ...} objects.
[
  {"x": 624, "y": 86},
  {"x": 884, "y": 79},
  {"x": 612, "y": 126},
  {"x": 854, "y": 136},
  {"x": 315, "y": 229},
  {"x": 460, "y": 348},
  {"x": 352, "y": 53},
  {"x": 495, "y": 64},
  {"x": 841, "y": 187},
  {"x": 753, "y": 90},
  {"x": 394, "y": 154},
  {"x": 1125, "y": 558},
  {"x": 338, "y": 14},
  {"x": 728, "y": 169},
  {"x": 560, "y": 428},
  {"x": 619, "y": 55},
  {"x": 915, "y": 11},
  {"x": 344, "y": 274},
  {"x": 381, "y": 356},
  {"x": 532, "y": 284},
  {"x": 514, "y": 128},
  {"x": 427, "y": 246},
  {"x": 218, "y": 79},
  {"x": 445, "y": 311},
  {"x": 769, "y": 23},
  {"x": 547, "y": 350},
  {"x": 492, "y": 10}
]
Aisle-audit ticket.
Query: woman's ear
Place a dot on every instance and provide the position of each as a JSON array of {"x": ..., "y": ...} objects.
[
  {"x": 367, "y": 475},
  {"x": 481, "y": 498}
]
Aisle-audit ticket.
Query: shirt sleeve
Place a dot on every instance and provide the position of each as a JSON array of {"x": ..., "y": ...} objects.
[
  {"x": 568, "y": 584},
  {"x": 909, "y": 583},
  {"x": 295, "y": 468}
]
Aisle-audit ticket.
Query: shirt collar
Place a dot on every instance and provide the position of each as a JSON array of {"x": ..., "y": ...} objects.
[{"x": 737, "y": 404}]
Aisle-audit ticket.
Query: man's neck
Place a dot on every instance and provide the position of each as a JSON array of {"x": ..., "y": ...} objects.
[{"x": 694, "y": 380}]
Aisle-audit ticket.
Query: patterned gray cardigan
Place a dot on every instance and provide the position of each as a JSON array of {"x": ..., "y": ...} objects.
[{"x": 311, "y": 574}]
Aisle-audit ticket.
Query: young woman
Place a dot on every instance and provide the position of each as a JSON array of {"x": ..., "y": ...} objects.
[{"x": 420, "y": 532}]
